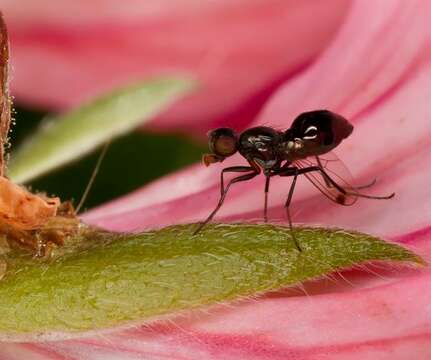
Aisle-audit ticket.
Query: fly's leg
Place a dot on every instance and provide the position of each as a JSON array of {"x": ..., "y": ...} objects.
[
  {"x": 330, "y": 182},
  {"x": 232, "y": 169},
  {"x": 223, "y": 196},
  {"x": 294, "y": 171},
  {"x": 287, "y": 205},
  {"x": 353, "y": 193},
  {"x": 319, "y": 163},
  {"x": 265, "y": 207},
  {"x": 366, "y": 186},
  {"x": 291, "y": 171},
  {"x": 343, "y": 191}
]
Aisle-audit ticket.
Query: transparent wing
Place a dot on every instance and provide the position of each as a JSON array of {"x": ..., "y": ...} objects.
[{"x": 338, "y": 188}]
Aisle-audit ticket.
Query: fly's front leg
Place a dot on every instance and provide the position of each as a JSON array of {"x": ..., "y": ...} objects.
[
  {"x": 240, "y": 178},
  {"x": 232, "y": 169}
]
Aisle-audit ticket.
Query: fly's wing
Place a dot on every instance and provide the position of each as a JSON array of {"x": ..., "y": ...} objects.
[
  {"x": 339, "y": 184},
  {"x": 5, "y": 101}
]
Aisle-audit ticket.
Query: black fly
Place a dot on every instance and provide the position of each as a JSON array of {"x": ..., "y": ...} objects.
[{"x": 296, "y": 151}]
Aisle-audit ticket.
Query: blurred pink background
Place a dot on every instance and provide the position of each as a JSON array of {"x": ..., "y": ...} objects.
[{"x": 64, "y": 52}]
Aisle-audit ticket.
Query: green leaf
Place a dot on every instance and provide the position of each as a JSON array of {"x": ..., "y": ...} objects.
[
  {"x": 66, "y": 137},
  {"x": 112, "y": 280}
]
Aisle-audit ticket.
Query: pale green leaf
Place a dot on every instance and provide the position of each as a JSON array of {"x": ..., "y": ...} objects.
[
  {"x": 66, "y": 137},
  {"x": 112, "y": 280}
]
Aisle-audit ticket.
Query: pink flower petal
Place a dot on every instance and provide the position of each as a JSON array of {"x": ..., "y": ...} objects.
[
  {"x": 375, "y": 53},
  {"x": 387, "y": 152},
  {"x": 236, "y": 49}
]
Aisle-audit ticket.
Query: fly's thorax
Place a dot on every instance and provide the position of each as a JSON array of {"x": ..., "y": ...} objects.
[{"x": 261, "y": 145}]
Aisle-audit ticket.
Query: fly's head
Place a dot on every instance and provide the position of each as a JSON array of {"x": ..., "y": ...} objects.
[
  {"x": 315, "y": 133},
  {"x": 222, "y": 142}
]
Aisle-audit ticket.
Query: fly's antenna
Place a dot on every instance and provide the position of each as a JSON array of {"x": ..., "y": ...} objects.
[{"x": 93, "y": 175}]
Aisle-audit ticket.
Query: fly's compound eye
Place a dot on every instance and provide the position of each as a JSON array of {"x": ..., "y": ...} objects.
[
  {"x": 310, "y": 133},
  {"x": 223, "y": 142}
]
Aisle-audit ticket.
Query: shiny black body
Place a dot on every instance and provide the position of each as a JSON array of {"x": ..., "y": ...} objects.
[
  {"x": 263, "y": 146},
  {"x": 269, "y": 148},
  {"x": 283, "y": 153}
]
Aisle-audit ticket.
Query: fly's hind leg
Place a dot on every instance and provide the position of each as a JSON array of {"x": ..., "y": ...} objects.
[
  {"x": 366, "y": 186},
  {"x": 354, "y": 193}
]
